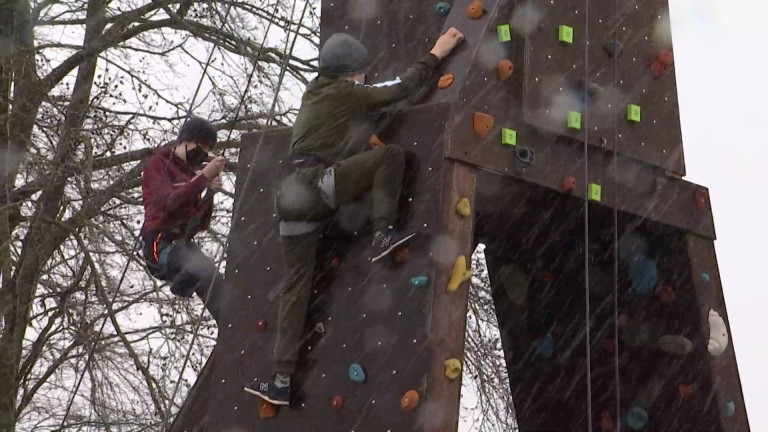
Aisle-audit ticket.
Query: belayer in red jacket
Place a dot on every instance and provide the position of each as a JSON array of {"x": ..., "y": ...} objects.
[{"x": 174, "y": 211}]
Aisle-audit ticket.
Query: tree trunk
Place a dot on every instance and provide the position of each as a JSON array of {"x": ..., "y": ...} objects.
[{"x": 38, "y": 244}]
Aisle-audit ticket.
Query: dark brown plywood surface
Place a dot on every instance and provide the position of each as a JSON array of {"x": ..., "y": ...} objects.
[
  {"x": 643, "y": 28},
  {"x": 371, "y": 315}
]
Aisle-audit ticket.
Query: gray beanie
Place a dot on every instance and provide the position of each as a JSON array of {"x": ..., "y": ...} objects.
[{"x": 342, "y": 54}]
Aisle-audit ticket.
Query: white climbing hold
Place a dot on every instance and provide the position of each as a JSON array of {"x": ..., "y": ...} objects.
[{"x": 718, "y": 334}]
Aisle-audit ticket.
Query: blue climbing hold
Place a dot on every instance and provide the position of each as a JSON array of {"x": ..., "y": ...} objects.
[
  {"x": 643, "y": 275},
  {"x": 419, "y": 281},
  {"x": 730, "y": 409},
  {"x": 356, "y": 373},
  {"x": 545, "y": 346},
  {"x": 443, "y": 8},
  {"x": 637, "y": 418},
  {"x": 706, "y": 277}
]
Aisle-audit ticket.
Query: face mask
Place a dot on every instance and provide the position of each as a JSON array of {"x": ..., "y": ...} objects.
[{"x": 196, "y": 156}]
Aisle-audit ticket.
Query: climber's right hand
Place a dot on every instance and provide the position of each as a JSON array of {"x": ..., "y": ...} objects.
[
  {"x": 447, "y": 42},
  {"x": 215, "y": 167}
]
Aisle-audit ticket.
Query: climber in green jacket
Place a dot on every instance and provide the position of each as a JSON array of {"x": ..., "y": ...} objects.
[{"x": 333, "y": 168}]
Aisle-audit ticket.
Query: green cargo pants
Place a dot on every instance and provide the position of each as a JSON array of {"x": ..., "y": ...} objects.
[{"x": 380, "y": 170}]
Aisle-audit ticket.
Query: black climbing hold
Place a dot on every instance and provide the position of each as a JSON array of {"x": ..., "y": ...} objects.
[
  {"x": 443, "y": 8},
  {"x": 525, "y": 154},
  {"x": 613, "y": 48}
]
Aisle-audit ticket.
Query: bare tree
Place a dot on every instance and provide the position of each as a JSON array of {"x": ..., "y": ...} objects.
[{"x": 87, "y": 87}]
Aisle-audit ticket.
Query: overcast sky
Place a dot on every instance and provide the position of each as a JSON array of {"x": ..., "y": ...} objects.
[{"x": 720, "y": 60}]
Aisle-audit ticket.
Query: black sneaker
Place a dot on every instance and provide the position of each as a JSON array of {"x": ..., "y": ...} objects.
[{"x": 270, "y": 392}]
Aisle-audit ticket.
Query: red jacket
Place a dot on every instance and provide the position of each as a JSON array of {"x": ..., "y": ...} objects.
[{"x": 171, "y": 193}]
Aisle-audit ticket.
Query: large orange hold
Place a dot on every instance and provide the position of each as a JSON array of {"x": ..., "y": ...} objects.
[
  {"x": 474, "y": 10},
  {"x": 606, "y": 422},
  {"x": 445, "y": 81},
  {"x": 505, "y": 69},
  {"x": 482, "y": 123},
  {"x": 376, "y": 142},
  {"x": 410, "y": 400},
  {"x": 266, "y": 409}
]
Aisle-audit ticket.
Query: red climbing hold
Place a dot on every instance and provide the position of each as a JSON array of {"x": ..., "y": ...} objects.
[
  {"x": 445, "y": 81},
  {"x": 701, "y": 199},
  {"x": 335, "y": 262},
  {"x": 410, "y": 400},
  {"x": 261, "y": 326},
  {"x": 482, "y": 123},
  {"x": 337, "y": 403},
  {"x": 685, "y": 390},
  {"x": 474, "y": 10},
  {"x": 568, "y": 184},
  {"x": 376, "y": 142},
  {"x": 661, "y": 62},
  {"x": 266, "y": 409},
  {"x": 666, "y": 294},
  {"x": 547, "y": 275},
  {"x": 505, "y": 69},
  {"x": 606, "y": 422},
  {"x": 608, "y": 345}
]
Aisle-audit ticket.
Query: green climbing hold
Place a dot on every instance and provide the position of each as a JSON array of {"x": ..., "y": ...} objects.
[
  {"x": 443, "y": 8},
  {"x": 419, "y": 281},
  {"x": 730, "y": 409},
  {"x": 565, "y": 34},
  {"x": 633, "y": 113},
  {"x": 505, "y": 33},
  {"x": 509, "y": 137},
  {"x": 574, "y": 120},
  {"x": 595, "y": 192}
]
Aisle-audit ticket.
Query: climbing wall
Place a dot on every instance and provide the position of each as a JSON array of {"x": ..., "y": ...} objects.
[{"x": 553, "y": 138}]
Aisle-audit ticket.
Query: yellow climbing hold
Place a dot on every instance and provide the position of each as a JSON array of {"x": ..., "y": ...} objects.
[
  {"x": 460, "y": 274},
  {"x": 452, "y": 368},
  {"x": 463, "y": 208}
]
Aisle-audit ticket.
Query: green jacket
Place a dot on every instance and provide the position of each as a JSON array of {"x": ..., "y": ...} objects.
[{"x": 333, "y": 118}]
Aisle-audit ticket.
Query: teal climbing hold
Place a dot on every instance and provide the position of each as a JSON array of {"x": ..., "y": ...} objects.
[
  {"x": 443, "y": 8},
  {"x": 356, "y": 373},
  {"x": 643, "y": 275},
  {"x": 706, "y": 277},
  {"x": 637, "y": 418},
  {"x": 419, "y": 281},
  {"x": 730, "y": 409},
  {"x": 545, "y": 346}
]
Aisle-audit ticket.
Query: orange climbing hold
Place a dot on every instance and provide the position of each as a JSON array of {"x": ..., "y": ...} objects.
[
  {"x": 474, "y": 10},
  {"x": 606, "y": 422},
  {"x": 376, "y": 142},
  {"x": 445, "y": 81},
  {"x": 666, "y": 294},
  {"x": 661, "y": 62},
  {"x": 266, "y": 409},
  {"x": 410, "y": 400},
  {"x": 482, "y": 123},
  {"x": 337, "y": 403},
  {"x": 505, "y": 69}
]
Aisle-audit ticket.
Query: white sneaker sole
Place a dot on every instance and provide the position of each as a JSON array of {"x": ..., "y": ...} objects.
[
  {"x": 265, "y": 397},
  {"x": 392, "y": 248}
]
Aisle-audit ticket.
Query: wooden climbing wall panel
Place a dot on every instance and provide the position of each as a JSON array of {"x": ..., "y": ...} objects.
[
  {"x": 526, "y": 178},
  {"x": 370, "y": 315}
]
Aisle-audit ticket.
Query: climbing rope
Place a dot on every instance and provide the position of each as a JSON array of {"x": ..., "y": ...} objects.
[
  {"x": 587, "y": 320},
  {"x": 137, "y": 240},
  {"x": 616, "y": 371},
  {"x": 270, "y": 117}
]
